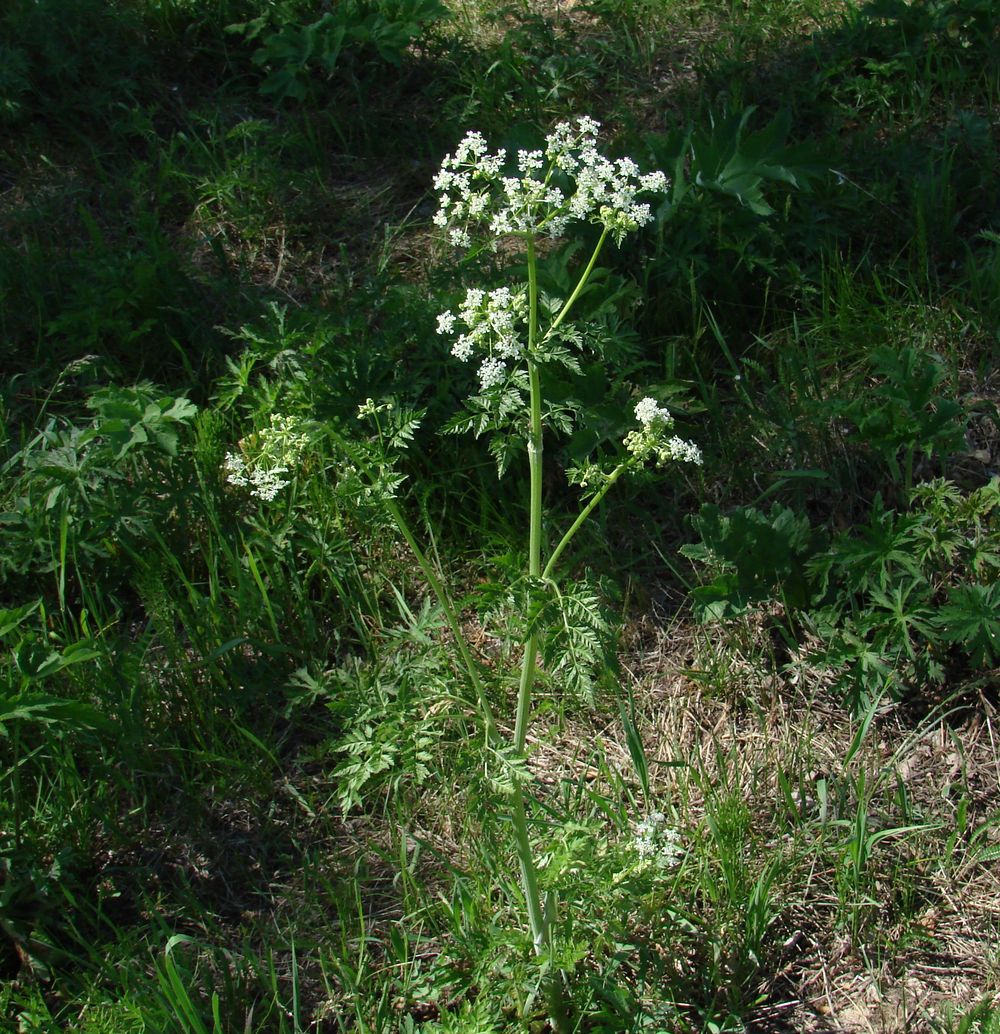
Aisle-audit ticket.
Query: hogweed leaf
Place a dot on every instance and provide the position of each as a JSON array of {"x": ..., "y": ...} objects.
[{"x": 972, "y": 618}]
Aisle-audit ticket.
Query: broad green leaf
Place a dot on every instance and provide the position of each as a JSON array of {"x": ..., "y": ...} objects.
[{"x": 11, "y": 618}]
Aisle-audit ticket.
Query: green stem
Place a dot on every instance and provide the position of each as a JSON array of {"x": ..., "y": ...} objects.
[
  {"x": 541, "y": 930},
  {"x": 529, "y": 878},
  {"x": 583, "y": 515},
  {"x": 16, "y": 784},
  {"x": 581, "y": 283},
  {"x": 539, "y": 927},
  {"x": 535, "y": 505}
]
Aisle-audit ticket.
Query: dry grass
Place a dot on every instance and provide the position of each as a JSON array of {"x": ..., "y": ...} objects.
[{"x": 901, "y": 967}]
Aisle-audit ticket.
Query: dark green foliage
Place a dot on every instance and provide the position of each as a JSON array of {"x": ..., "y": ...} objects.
[
  {"x": 77, "y": 495},
  {"x": 71, "y": 59},
  {"x": 971, "y": 619},
  {"x": 922, "y": 25},
  {"x": 904, "y": 416},
  {"x": 904, "y": 602},
  {"x": 762, "y": 557},
  {"x": 294, "y": 51},
  {"x": 739, "y": 210},
  {"x": 394, "y": 714}
]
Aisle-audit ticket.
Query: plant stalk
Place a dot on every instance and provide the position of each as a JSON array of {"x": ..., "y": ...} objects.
[
  {"x": 583, "y": 515},
  {"x": 535, "y": 505},
  {"x": 581, "y": 283},
  {"x": 529, "y": 880},
  {"x": 541, "y": 929}
]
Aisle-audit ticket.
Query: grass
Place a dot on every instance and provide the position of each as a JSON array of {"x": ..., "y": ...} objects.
[{"x": 244, "y": 784}]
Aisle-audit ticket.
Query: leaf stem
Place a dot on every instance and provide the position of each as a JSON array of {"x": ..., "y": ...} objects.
[
  {"x": 581, "y": 283},
  {"x": 540, "y": 930},
  {"x": 582, "y": 516}
]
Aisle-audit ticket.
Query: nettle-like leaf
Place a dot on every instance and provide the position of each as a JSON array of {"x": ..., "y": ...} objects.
[
  {"x": 560, "y": 416},
  {"x": 505, "y": 448},
  {"x": 36, "y": 660},
  {"x": 728, "y": 160},
  {"x": 971, "y": 619},
  {"x": 293, "y": 53},
  {"x": 499, "y": 412},
  {"x": 902, "y": 616},
  {"x": 365, "y": 493},
  {"x": 884, "y": 549},
  {"x": 43, "y": 709},
  {"x": 66, "y": 461},
  {"x": 907, "y": 412},
  {"x": 500, "y": 409},
  {"x": 400, "y": 424},
  {"x": 11, "y": 617},
  {"x": 127, "y": 417},
  {"x": 953, "y": 530},
  {"x": 561, "y": 349},
  {"x": 755, "y": 556},
  {"x": 88, "y": 487},
  {"x": 937, "y": 536},
  {"x": 395, "y": 715},
  {"x": 862, "y": 668},
  {"x": 507, "y": 769}
]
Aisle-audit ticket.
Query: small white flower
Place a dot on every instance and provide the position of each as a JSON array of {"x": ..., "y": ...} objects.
[
  {"x": 600, "y": 191},
  {"x": 472, "y": 146},
  {"x": 654, "y": 181},
  {"x": 494, "y": 322},
  {"x": 460, "y": 238},
  {"x": 679, "y": 449},
  {"x": 492, "y": 372},
  {"x": 648, "y": 412},
  {"x": 501, "y": 224},
  {"x": 372, "y": 408},
  {"x": 529, "y": 161},
  {"x": 267, "y": 483},
  {"x": 268, "y": 454},
  {"x": 588, "y": 126},
  {"x": 235, "y": 470},
  {"x": 652, "y": 440},
  {"x": 657, "y": 843},
  {"x": 478, "y": 204}
]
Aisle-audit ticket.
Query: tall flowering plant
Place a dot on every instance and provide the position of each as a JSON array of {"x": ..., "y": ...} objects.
[
  {"x": 484, "y": 198},
  {"x": 511, "y": 333}
]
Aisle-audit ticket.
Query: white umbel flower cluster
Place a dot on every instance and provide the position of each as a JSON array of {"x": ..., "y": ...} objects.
[
  {"x": 657, "y": 843},
  {"x": 568, "y": 180},
  {"x": 493, "y": 321},
  {"x": 266, "y": 457},
  {"x": 647, "y": 412},
  {"x": 653, "y": 440}
]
